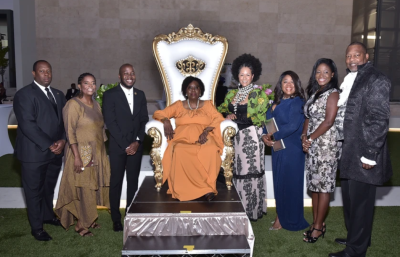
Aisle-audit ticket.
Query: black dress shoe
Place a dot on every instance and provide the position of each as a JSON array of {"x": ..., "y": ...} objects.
[
  {"x": 339, "y": 254},
  {"x": 341, "y": 241},
  {"x": 41, "y": 235},
  {"x": 54, "y": 222},
  {"x": 117, "y": 227},
  {"x": 209, "y": 196}
]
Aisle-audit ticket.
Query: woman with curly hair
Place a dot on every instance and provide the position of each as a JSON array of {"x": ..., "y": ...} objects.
[
  {"x": 320, "y": 142},
  {"x": 244, "y": 106},
  {"x": 288, "y": 164}
]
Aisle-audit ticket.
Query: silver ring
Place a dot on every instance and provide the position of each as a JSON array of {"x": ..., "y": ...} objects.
[{"x": 82, "y": 168}]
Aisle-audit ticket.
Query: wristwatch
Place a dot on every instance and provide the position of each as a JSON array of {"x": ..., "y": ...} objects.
[{"x": 309, "y": 138}]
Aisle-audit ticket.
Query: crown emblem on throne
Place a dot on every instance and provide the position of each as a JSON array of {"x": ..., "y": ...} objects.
[{"x": 190, "y": 66}]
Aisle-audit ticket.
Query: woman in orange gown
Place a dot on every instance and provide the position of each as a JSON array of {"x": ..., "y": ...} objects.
[{"x": 192, "y": 160}]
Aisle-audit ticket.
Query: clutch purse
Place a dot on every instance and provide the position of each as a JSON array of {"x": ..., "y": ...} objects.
[
  {"x": 271, "y": 127},
  {"x": 86, "y": 154}
]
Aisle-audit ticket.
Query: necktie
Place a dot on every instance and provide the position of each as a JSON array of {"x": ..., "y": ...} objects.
[{"x": 52, "y": 100}]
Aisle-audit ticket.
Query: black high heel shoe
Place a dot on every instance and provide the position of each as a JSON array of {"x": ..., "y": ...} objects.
[
  {"x": 310, "y": 239},
  {"x": 309, "y": 231}
]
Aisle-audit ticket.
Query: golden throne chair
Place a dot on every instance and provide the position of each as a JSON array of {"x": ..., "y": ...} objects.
[{"x": 189, "y": 52}]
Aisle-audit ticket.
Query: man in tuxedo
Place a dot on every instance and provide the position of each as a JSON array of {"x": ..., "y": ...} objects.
[
  {"x": 39, "y": 145},
  {"x": 72, "y": 92},
  {"x": 125, "y": 114},
  {"x": 365, "y": 161}
]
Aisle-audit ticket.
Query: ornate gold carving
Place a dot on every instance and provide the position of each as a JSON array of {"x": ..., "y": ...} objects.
[
  {"x": 86, "y": 154},
  {"x": 155, "y": 156},
  {"x": 190, "y": 66},
  {"x": 228, "y": 133},
  {"x": 189, "y": 33}
]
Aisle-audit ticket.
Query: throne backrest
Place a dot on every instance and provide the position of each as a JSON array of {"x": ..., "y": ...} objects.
[{"x": 189, "y": 52}]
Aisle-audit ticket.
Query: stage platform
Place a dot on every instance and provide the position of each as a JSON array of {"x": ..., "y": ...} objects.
[{"x": 158, "y": 225}]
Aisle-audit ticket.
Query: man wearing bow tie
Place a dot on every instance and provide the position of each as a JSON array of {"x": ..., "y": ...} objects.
[
  {"x": 125, "y": 114},
  {"x": 39, "y": 146}
]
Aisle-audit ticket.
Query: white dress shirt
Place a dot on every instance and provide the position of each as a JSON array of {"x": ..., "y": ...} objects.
[
  {"x": 344, "y": 96},
  {"x": 129, "y": 96},
  {"x": 44, "y": 90}
]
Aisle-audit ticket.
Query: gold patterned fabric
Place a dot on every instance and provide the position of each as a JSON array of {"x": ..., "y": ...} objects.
[{"x": 80, "y": 192}]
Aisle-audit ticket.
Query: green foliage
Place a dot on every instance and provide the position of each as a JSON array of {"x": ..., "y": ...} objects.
[
  {"x": 102, "y": 89},
  {"x": 260, "y": 99}
]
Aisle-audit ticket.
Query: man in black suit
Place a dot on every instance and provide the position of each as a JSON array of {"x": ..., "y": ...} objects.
[
  {"x": 365, "y": 163},
  {"x": 72, "y": 92},
  {"x": 125, "y": 114},
  {"x": 39, "y": 145}
]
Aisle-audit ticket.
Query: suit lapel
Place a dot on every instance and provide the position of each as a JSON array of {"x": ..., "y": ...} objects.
[
  {"x": 136, "y": 103},
  {"x": 121, "y": 95},
  {"x": 59, "y": 101},
  {"x": 43, "y": 98}
]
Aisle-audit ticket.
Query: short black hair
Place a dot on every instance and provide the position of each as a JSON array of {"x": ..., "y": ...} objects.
[
  {"x": 249, "y": 61},
  {"x": 358, "y": 43},
  {"x": 38, "y": 61},
  {"x": 298, "y": 90},
  {"x": 124, "y": 65},
  {"x": 189, "y": 80}
]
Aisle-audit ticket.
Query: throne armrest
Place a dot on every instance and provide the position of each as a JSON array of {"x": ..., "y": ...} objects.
[
  {"x": 228, "y": 130},
  {"x": 160, "y": 141},
  {"x": 224, "y": 125},
  {"x": 155, "y": 129}
]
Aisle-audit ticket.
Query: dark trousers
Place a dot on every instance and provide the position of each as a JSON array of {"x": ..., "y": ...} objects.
[
  {"x": 358, "y": 208},
  {"x": 119, "y": 163},
  {"x": 38, "y": 181}
]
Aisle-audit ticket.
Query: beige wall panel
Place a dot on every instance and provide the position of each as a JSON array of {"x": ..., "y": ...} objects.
[{"x": 98, "y": 36}]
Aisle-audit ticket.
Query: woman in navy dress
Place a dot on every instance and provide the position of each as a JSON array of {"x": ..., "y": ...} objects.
[{"x": 288, "y": 164}]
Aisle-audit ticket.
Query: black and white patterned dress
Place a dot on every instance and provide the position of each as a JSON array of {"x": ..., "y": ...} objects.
[
  {"x": 248, "y": 167},
  {"x": 322, "y": 157}
]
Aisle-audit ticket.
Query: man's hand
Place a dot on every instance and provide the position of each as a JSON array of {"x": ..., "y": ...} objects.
[
  {"x": 58, "y": 146},
  {"x": 367, "y": 166},
  {"x": 132, "y": 148}
]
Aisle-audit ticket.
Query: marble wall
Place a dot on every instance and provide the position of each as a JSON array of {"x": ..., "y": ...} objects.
[{"x": 99, "y": 35}]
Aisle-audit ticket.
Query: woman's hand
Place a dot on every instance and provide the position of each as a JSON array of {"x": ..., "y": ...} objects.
[
  {"x": 306, "y": 144},
  {"x": 231, "y": 116},
  {"x": 267, "y": 140},
  {"x": 203, "y": 137},
  {"x": 78, "y": 164},
  {"x": 168, "y": 130}
]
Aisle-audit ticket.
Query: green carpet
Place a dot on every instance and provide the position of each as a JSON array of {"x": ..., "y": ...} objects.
[{"x": 15, "y": 238}]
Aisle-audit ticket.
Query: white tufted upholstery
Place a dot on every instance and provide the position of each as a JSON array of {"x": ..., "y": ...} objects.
[{"x": 171, "y": 53}]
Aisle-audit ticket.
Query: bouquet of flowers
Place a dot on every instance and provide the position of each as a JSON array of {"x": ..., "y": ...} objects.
[
  {"x": 101, "y": 90},
  {"x": 260, "y": 99}
]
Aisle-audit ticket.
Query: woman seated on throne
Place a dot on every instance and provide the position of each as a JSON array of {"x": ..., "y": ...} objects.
[{"x": 192, "y": 160}]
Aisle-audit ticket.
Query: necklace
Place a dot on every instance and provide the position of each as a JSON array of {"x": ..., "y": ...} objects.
[
  {"x": 241, "y": 95},
  {"x": 285, "y": 97},
  {"x": 197, "y": 106}
]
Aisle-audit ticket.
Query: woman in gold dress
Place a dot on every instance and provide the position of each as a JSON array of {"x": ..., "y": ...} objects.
[
  {"x": 86, "y": 177},
  {"x": 192, "y": 160}
]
